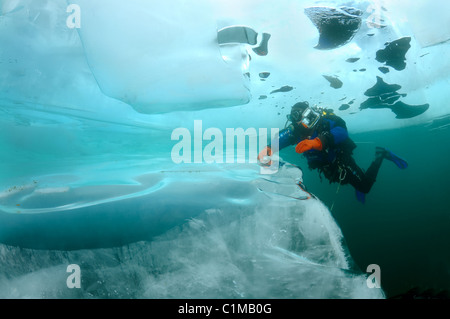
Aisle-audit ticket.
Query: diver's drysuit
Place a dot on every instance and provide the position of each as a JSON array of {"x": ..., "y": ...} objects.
[
  {"x": 322, "y": 137},
  {"x": 335, "y": 159}
]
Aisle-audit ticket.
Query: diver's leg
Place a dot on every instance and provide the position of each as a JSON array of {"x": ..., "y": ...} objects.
[
  {"x": 372, "y": 172},
  {"x": 368, "y": 178},
  {"x": 356, "y": 177},
  {"x": 362, "y": 182}
]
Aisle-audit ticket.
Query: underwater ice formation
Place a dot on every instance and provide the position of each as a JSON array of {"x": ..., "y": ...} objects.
[
  {"x": 188, "y": 70},
  {"x": 244, "y": 35},
  {"x": 263, "y": 48},
  {"x": 152, "y": 39},
  {"x": 231, "y": 244},
  {"x": 383, "y": 69},
  {"x": 383, "y": 95},
  {"x": 337, "y": 26},
  {"x": 406, "y": 111},
  {"x": 285, "y": 88},
  {"x": 394, "y": 54},
  {"x": 382, "y": 87},
  {"x": 335, "y": 83},
  {"x": 237, "y": 34},
  {"x": 352, "y": 60},
  {"x": 264, "y": 75},
  {"x": 344, "y": 107}
]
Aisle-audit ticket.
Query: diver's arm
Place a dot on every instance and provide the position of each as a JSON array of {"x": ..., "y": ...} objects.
[
  {"x": 328, "y": 137},
  {"x": 286, "y": 137},
  {"x": 339, "y": 134},
  {"x": 334, "y": 136}
]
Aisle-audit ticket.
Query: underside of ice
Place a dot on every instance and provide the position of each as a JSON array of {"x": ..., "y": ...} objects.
[
  {"x": 87, "y": 109},
  {"x": 157, "y": 59},
  {"x": 248, "y": 237}
]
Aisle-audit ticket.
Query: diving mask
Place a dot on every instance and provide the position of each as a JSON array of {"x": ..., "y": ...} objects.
[{"x": 310, "y": 118}]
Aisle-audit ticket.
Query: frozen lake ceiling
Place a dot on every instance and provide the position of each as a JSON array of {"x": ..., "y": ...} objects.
[{"x": 173, "y": 62}]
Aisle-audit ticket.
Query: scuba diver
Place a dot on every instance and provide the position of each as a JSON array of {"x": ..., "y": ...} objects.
[{"x": 323, "y": 139}]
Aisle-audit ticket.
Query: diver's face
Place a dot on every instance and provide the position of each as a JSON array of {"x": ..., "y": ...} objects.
[
  {"x": 296, "y": 116},
  {"x": 306, "y": 129},
  {"x": 302, "y": 128}
]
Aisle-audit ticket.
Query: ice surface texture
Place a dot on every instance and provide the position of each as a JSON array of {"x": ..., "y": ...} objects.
[
  {"x": 86, "y": 116},
  {"x": 152, "y": 58},
  {"x": 247, "y": 237}
]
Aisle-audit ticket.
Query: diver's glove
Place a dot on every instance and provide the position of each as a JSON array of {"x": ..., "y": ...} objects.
[
  {"x": 307, "y": 145},
  {"x": 264, "y": 156}
]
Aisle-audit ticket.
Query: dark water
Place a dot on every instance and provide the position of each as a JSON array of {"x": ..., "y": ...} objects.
[{"x": 404, "y": 226}]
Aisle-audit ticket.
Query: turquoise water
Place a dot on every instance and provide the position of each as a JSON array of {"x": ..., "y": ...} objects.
[
  {"x": 402, "y": 227},
  {"x": 404, "y": 224},
  {"x": 87, "y": 113}
]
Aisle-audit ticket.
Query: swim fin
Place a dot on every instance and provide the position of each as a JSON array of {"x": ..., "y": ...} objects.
[
  {"x": 401, "y": 163},
  {"x": 360, "y": 196}
]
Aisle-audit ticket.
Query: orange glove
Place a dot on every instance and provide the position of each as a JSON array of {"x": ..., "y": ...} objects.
[
  {"x": 264, "y": 154},
  {"x": 307, "y": 145}
]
